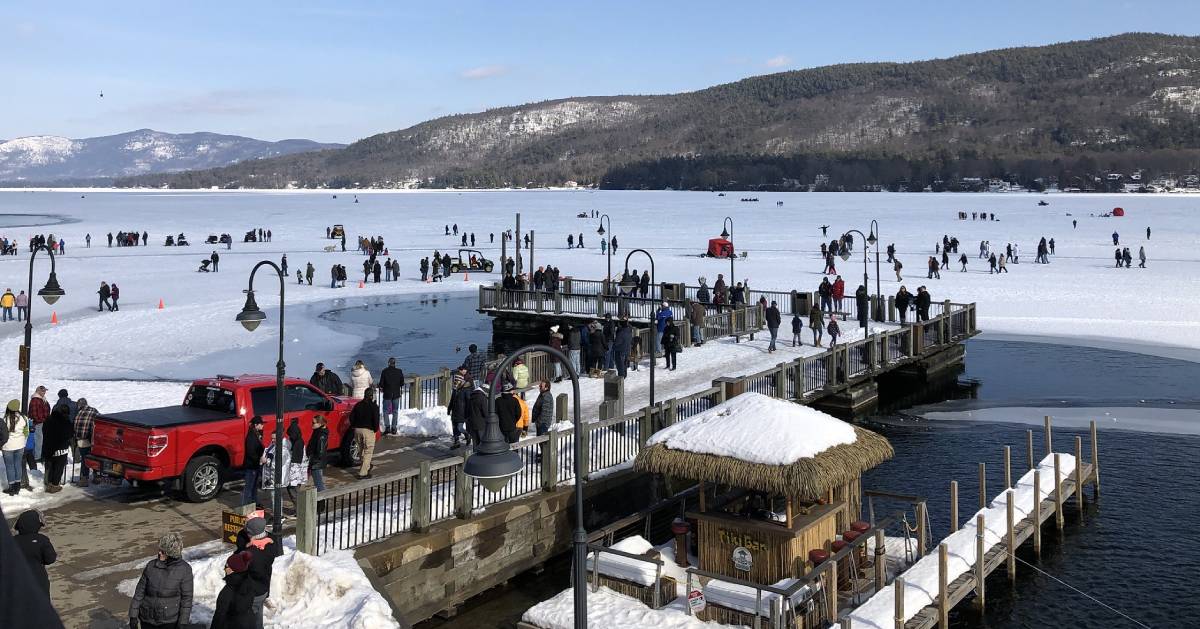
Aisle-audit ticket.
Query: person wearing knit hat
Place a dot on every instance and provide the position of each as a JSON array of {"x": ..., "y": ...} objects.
[
  {"x": 235, "y": 603},
  {"x": 263, "y": 549},
  {"x": 456, "y": 408},
  {"x": 163, "y": 597}
]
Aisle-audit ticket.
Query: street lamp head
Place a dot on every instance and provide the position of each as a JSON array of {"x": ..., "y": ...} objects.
[
  {"x": 250, "y": 316},
  {"x": 845, "y": 254},
  {"x": 724, "y": 233},
  {"x": 871, "y": 239},
  {"x": 601, "y": 230},
  {"x": 52, "y": 291},
  {"x": 494, "y": 463}
]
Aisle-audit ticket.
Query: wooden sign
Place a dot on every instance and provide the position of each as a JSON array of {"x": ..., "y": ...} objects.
[
  {"x": 739, "y": 538},
  {"x": 742, "y": 559},
  {"x": 232, "y": 523}
]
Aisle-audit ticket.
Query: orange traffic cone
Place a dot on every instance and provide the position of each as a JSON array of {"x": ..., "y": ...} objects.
[
  {"x": 160, "y": 303},
  {"x": 54, "y": 316},
  {"x": 361, "y": 284}
]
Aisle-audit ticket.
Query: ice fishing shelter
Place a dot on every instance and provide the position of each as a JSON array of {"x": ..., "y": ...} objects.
[
  {"x": 720, "y": 248},
  {"x": 788, "y": 482},
  {"x": 1118, "y": 211}
]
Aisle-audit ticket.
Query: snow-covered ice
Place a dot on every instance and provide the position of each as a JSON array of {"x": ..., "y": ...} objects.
[
  {"x": 1181, "y": 421},
  {"x": 757, "y": 428}
]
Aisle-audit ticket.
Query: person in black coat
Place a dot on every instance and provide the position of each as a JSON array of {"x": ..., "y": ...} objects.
[
  {"x": 923, "y": 300},
  {"x": 596, "y": 351},
  {"x": 860, "y": 300},
  {"x": 773, "y": 321},
  {"x": 364, "y": 419},
  {"x": 391, "y": 383},
  {"x": 621, "y": 346},
  {"x": 477, "y": 414},
  {"x": 509, "y": 412},
  {"x": 235, "y": 603},
  {"x": 318, "y": 449},
  {"x": 460, "y": 397},
  {"x": 36, "y": 548},
  {"x": 56, "y": 443},
  {"x": 253, "y": 449},
  {"x": 903, "y": 301},
  {"x": 263, "y": 549},
  {"x": 23, "y": 603},
  {"x": 670, "y": 344}
]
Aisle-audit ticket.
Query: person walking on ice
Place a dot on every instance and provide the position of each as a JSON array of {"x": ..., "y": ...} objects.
[{"x": 1141, "y": 257}]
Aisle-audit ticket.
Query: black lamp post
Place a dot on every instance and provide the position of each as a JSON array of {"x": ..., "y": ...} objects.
[
  {"x": 494, "y": 463},
  {"x": 873, "y": 239},
  {"x": 653, "y": 320},
  {"x": 250, "y": 317},
  {"x": 727, "y": 234},
  {"x": 50, "y": 292},
  {"x": 608, "y": 248},
  {"x": 846, "y": 256}
]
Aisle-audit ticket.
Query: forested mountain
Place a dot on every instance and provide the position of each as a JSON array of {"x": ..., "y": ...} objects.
[
  {"x": 48, "y": 158},
  {"x": 1020, "y": 112}
]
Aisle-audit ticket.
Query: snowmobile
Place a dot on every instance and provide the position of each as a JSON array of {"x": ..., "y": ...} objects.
[
  {"x": 181, "y": 241},
  {"x": 211, "y": 240},
  {"x": 251, "y": 236},
  {"x": 226, "y": 239}
]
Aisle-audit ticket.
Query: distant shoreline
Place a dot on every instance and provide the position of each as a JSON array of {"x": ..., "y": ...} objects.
[{"x": 356, "y": 191}]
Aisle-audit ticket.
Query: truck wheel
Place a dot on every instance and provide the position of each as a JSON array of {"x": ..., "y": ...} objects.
[
  {"x": 351, "y": 450},
  {"x": 202, "y": 478}
]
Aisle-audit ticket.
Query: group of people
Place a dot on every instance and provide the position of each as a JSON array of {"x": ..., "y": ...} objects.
[
  {"x": 8, "y": 301},
  {"x": 440, "y": 266},
  {"x": 1125, "y": 258},
  {"x": 56, "y": 246},
  {"x": 47, "y": 436},
  {"x": 123, "y": 238},
  {"x": 109, "y": 294},
  {"x": 372, "y": 246}
]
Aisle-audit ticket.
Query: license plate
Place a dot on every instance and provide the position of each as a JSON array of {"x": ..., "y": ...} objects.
[{"x": 115, "y": 469}]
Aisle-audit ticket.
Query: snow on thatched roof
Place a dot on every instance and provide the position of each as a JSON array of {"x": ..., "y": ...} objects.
[{"x": 762, "y": 443}]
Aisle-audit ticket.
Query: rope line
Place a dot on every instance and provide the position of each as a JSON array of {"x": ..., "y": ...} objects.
[{"x": 1079, "y": 591}]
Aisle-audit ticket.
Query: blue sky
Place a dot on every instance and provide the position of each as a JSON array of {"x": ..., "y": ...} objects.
[{"x": 339, "y": 71}]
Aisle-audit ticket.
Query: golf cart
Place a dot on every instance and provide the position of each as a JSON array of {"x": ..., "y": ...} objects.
[
  {"x": 337, "y": 232},
  {"x": 474, "y": 261}
]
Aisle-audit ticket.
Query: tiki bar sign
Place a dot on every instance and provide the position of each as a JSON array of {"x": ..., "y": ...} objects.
[{"x": 738, "y": 538}]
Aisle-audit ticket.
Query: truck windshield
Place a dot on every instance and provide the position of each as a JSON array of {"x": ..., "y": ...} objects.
[{"x": 210, "y": 398}]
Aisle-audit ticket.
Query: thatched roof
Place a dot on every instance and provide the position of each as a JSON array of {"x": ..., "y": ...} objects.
[{"x": 705, "y": 448}]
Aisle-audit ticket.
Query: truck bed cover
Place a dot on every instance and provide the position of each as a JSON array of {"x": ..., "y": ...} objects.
[{"x": 166, "y": 416}]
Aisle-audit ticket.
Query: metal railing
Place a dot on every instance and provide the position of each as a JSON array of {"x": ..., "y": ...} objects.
[{"x": 368, "y": 511}]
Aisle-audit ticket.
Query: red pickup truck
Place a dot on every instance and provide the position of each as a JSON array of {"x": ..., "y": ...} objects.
[{"x": 196, "y": 445}]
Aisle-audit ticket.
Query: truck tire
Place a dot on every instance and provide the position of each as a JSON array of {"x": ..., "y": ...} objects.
[
  {"x": 351, "y": 451},
  {"x": 202, "y": 478}
]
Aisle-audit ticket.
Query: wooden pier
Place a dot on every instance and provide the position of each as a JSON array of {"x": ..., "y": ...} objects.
[{"x": 1018, "y": 532}]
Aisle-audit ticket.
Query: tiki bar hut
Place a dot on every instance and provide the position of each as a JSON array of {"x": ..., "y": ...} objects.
[{"x": 777, "y": 479}]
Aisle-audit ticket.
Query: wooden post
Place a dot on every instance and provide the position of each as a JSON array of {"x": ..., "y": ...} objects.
[
  {"x": 1029, "y": 449},
  {"x": 1012, "y": 538},
  {"x": 550, "y": 461},
  {"x": 1037, "y": 512},
  {"x": 980, "y": 575},
  {"x": 645, "y": 427},
  {"x": 953, "y": 506},
  {"x": 982, "y": 485},
  {"x": 1095, "y": 464},
  {"x": 789, "y": 515},
  {"x": 1007, "y": 467},
  {"x": 422, "y": 507},
  {"x": 899, "y": 608},
  {"x": 832, "y": 595},
  {"x": 943, "y": 591},
  {"x": 1049, "y": 437},
  {"x": 464, "y": 494},
  {"x": 880, "y": 560},
  {"x": 702, "y": 505},
  {"x": 586, "y": 436},
  {"x": 846, "y": 623},
  {"x": 921, "y": 531},
  {"x": 1058, "y": 511},
  {"x": 306, "y": 521},
  {"x": 1079, "y": 474}
]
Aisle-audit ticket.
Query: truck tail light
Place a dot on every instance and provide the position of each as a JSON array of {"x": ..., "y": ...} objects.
[{"x": 155, "y": 445}]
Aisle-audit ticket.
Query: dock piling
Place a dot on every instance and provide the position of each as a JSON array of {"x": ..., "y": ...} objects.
[
  {"x": 922, "y": 530},
  {"x": 943, "y": 589},
  {"x": 1095, "y": 464},
  {"x": 980, "y": 571},
  {"x": 1079, "y": 474},
  {"x": 1012, "y": 538},
  {"x": 982, "y": 485},
  {"x": 1007, "y": 467},
  {"x": 1058, "y": 501},
  {"x": 1037, "y": 512},
  {"x": 1049, "y": 437},
  {"x": 900, "y": 618},
  {"x": 953, "y": 506},
  {"x": 880, "y": 560},
  {"x": 1029, "y": 449},
  {"x": 833, "y": 589}
]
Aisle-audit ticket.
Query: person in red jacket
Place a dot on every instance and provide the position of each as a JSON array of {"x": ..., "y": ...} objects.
[
  {"x": 839, "y": 291},
  {"x": 39, "y": 412}
]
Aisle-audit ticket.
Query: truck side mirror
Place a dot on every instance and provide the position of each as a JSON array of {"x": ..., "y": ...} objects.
[{"x": 328, "y": 404}]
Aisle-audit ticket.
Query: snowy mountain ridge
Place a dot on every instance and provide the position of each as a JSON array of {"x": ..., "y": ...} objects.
[{"x": 50, "y": 157}]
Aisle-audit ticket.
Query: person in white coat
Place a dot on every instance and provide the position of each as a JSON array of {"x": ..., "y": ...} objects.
[{"x": 360, "y": 379}]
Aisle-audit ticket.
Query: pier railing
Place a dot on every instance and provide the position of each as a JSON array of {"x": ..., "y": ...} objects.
[{"x": 366, "y": 511}]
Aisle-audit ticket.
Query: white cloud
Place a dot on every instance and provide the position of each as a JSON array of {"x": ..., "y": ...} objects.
[
  {"x": 484, "y": 72},
  {"x": 779, "y": 61}
]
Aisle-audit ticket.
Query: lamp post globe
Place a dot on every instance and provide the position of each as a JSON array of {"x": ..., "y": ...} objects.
[
  {"x": 51, "y": 292},
  {"x": 251, "y": 316}
]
